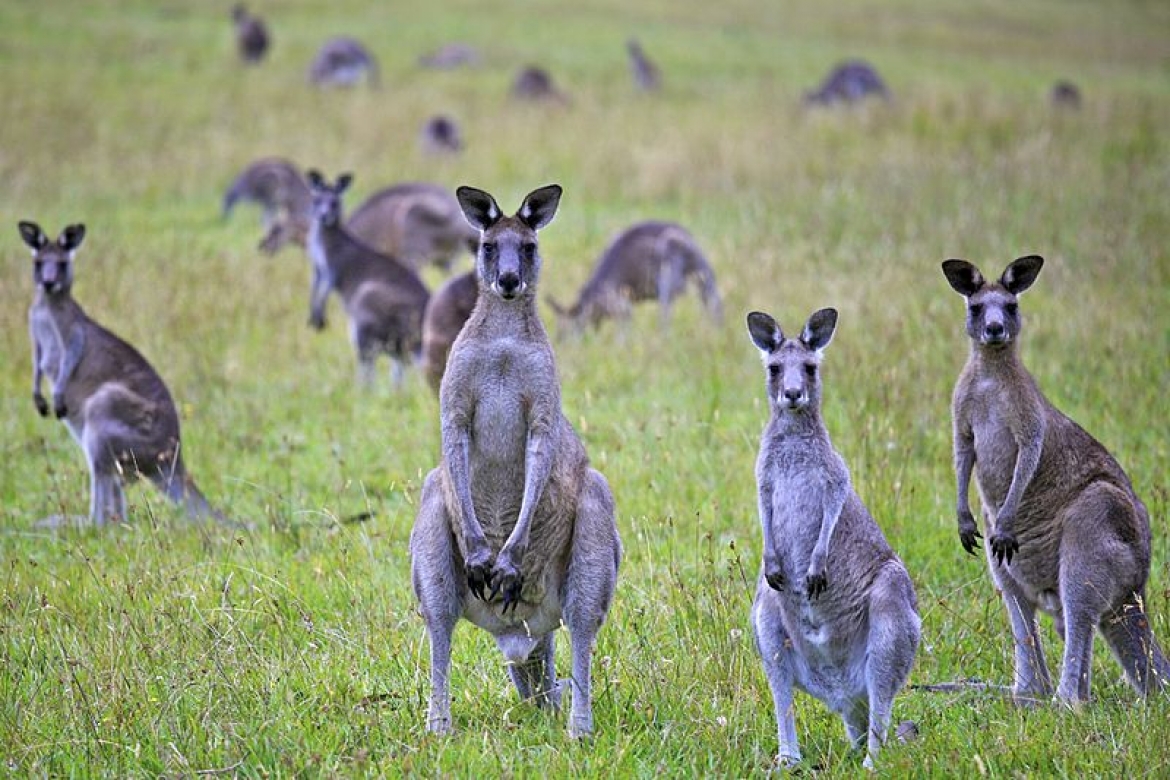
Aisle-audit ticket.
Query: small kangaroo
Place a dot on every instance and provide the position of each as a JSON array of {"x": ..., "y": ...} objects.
[
  {"x": 383, "y": 297},
  {"x": 450, "y": 56},
  {"x": 251, "y": 35},
  {"x": 1066, "y": 533},
  {"x": 1065, "y": 94},
  {"x": 533, "y": 83},
  {"x": 647, "y": 261},
  {"x": 646, "y": 75},
  {"x": 849, "y": 82},
  {"x": 278, "y": 187},
  {"x": 835, "y": 612},
  {"x": 416, "y": 222},
  {"x": 515, "y": 532},
  {"x": 447, "y": 311},
  {"x": 440, "y": 135},
  {"x": 342, "y": 62},
  {"x": 112, "y": 401}
]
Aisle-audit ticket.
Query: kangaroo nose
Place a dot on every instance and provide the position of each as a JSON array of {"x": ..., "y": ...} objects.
[
  {"x": 792, "y": 395},
  {"x": 995, "y": 329},
  {"x": 509, "y": 283}
]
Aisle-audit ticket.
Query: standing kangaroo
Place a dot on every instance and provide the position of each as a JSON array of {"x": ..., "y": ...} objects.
[
  {"x": 646, "y": 75},
  {"x": 515, "y": 532},
  {"x": 383, "y": 298},
  {"x": 111, "y": 400},
  {"x": 447, "y": 311},
  {"x": 1066, "y": 533},
  {"x": 835, "y": 612},
  {"x": 648, "y": 261},
  {"x": 251, "y": 35}
]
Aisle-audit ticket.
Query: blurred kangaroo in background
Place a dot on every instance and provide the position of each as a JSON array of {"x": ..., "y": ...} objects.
[
  {"x": 835, "y": 611},
  {"x": 1066, "y": 533},
  {"x": 383, "y": 298},
  {"x": 645, "y": 73},
  {"x": 515, "y": 532},
  {"x": 251, "y": 35},
  {"x": 416, "y": 222},
  {"x": 343, "y": 62},
  {"x": 1065, "y": 94},
  {"x": 647, "y": 261},
  {"x": 278, "y": 187},
  {"x": 536, "y": 84},
  {"x": 849, "y": 82},
  {"x": 450, "y": 55},
  {"x": 112, "y": 401},
  {"x": 440, "y": 135},
  {"x": 448, "y": 309}
]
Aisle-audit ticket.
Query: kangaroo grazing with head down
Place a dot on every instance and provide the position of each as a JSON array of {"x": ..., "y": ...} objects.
[
  {"x": 112, "y": 401},
  {"x": 278, "y": 187},
  {"x": 835, "y": 612},
  {"x": 1066, "y": 532},
  {"x": 417, "y": 223},
  {"x": 515, "y": 532},
  {"x": 647, "y": 261},
  {"x": 383, "y": 298}
]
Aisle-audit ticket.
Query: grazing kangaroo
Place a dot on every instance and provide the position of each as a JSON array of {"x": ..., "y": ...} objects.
[
  {"x": 647, "y": 261},
  {"x": 449, "y": 56},
  {"x": 835, "y": 612},
  {"x": 416, "y": 222},
  {"x": 112, "y": 401},
  {"x": 440, "y": 135},
  {"x": 383, "y": 298},
  {"x": 447, "y": 311},
  {"x": 849, "y": 82},
  {"x": 515, "y": 532},
  {"x": 1065, "y": 94},
  {"x": 342, "y": 62},
  {"x": 646, "y": 75},
  {"x": 1066, "y": 533},
  {"x": 278, "y": 187},
  {"x": 251, "y": 35},
  {"x": 535, "y": 84}
]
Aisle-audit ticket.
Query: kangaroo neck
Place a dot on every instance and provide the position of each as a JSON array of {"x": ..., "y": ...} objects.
[
  {"x": 331, "y": 246},
  {"x": 799, "y": 424},
  {"x": 60, "y": 306},
  {"x": 1000, "y": 360},
  {"x": 514, "y": 319}
]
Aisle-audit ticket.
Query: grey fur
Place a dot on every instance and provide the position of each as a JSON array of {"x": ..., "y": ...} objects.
[
  {"x": 383, "y": 298},
  {"x": 440, "y": 135},
  {"x": 850, "y": 82},
  {"x": 343, "y": 62},
  {"x": 278, "y": 187},
  {"x": 647, "y": 261},
  {"x": 447, "y": 311},
  {"x": 645, "y": 73},
  {"x": 252, "y": 39},
  {"x": 110, "y": 398},
  {"x": 536, "y": 84},
  {"x": 835, "y": 612},
  {"x": 416, "y": 222},
  {"x": 1066, "y": 532},
  {"x": 515, "y": 532}
]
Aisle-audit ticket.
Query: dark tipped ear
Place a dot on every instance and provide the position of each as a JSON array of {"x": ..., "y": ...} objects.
[
  {"x": 33, "y": 235},
  {"x": 343, "y": 182},
  {"x": 479, "y": 207},
  {"x": 71, "y": 237},
  {"x": 539, "y": 208},
  {"x": 1019, "y": 276},
  {"x": 963, "y": 276},
  {"x": 819, "y": 329},
  {"x": 764, "y": 330},
  {"x": 314, "y": 178}
]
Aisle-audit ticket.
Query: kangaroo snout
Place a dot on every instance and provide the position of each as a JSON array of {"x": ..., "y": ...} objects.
[
  {"x": 508, "y": 284},
  {"x": 793, "y": 397}
]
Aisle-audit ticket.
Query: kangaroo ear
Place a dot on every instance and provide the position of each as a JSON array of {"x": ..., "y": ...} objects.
[
  {"x": 764, "y": 331},
  {"x": 33, "y": 235},
  {"x": 343, "y": 182},
  {"x": 1019, "y": 276},
  {"x": 71, "y": 237},
  {"x": 963, "y": 276},
  {"x": 819, "y": 329},
  {"x": 540, "y": 206},
  {"x": 315, "y": 179},
  {"x": 479, "y": 207}
]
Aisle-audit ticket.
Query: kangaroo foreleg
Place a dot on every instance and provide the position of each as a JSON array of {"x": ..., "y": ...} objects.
[{"x": 538, "y": 460}]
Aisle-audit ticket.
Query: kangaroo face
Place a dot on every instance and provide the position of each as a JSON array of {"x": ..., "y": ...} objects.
[
  {"x": 993, "y": 311},
  {"x": 793, "y": 365},
  {"x": 52, "y": 261},
  {"x": 327, "y": 198},
  {"x": 508, "y": 261}
]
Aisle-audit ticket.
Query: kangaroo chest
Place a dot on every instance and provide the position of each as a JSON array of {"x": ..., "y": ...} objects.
[
  {"x": 47, "y": 339},
  {"x": 988, "y": 410}
]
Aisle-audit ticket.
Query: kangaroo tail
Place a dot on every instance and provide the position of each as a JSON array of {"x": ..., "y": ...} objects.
[
  {"x": 1127, "y": 630},
  {"x": 178, "y": 486}
]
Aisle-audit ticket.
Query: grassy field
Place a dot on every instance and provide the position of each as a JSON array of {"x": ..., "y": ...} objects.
[{"x": 157, "y": 648}]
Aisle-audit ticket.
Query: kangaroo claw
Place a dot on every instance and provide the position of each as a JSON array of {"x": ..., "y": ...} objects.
[
  {"x": 970, "y": 540},
  {"x": 1003, "y": 547}
]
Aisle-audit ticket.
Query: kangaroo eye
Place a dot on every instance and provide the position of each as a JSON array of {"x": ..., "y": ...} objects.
[
  {"x": 529, "y": 250},
  {"x": 1011, "y": 308},
  {"x": 810, "y": 369},
  {"x": 489, "y": 249},
  {"x": 976, "y": 309},
  {"x": 774, "y": 370}
]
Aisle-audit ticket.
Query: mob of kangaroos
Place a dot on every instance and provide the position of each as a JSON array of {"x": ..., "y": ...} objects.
[
  {"x": 112, "y": 401},
  {"x": 515, "y": 532},
  {"x": 1066, "y": 532},
  {"x": 835, "y": 612}
]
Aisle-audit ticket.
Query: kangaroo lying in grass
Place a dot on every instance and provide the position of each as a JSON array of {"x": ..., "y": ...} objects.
[
  {"x": 515, "y": 532},
  {"x": 1066, "y": 532},
  {"x": 835, "y": 612},
  {"x": 112, "y": 401}
]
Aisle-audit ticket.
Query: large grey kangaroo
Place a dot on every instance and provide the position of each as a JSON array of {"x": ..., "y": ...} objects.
[
  {"x": 835, "y": 612},
  {"x": 515, "y": 532},
  {"x": 1066, "y": 533},
  {"x": 112, "y": 401}
]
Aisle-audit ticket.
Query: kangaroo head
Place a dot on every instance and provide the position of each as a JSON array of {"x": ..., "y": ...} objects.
[
  {"x": 327, "y": 197},
  {"x": 508, "y": 262},
  {"x": 993, "y": 311},
  {"x": 52, "y": 260},
  {"x": 794, "y": 381}
]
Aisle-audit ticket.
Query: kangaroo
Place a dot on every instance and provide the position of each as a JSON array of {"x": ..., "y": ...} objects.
[
  {"x": 342, "y": 62},
  {"x": 835, "y": 612},
  {"x": 251, "y": 35},
  {"x": 383, "y": 298},
  {"x": 536, "y": 84},
  {"x": 450, "y": 56},
  {"x": 1066, "y": 533},
  {"x": 515, "y": 532},
  {"x": 646, "y": 75},
  {"x": 440, "y": 135},
  {"x": 447, "y": 310},
  {"x": 112, "y": 401},
  {"x": 1065, "y": 94},
  {"x": 647, "y": 261},
  {"x": 416, "y": 222},
  {"x": 278, "y": 187},
  {"x": 849, "y": 82}
]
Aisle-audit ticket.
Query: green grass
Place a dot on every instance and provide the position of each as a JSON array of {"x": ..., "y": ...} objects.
[{"x": 157, "y": 648}]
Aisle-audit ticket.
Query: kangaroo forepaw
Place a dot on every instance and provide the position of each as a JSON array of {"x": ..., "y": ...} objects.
[
  {"x": 775, "y": 580},
  {"x": 507, "y": 585},
  {"x": 42, "y": 404},
  {"x": 970, "y": 539},
  {"x": 478, "y": 579},
  {"x": 815, "y": 584},
  {"x": 1003, "y": 547},
  {"x": 59, "y": 408},
  {"x": 317, "y": 321}
]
